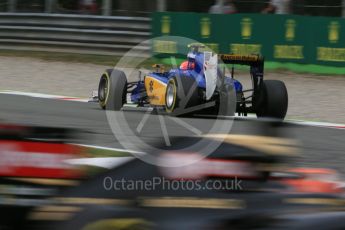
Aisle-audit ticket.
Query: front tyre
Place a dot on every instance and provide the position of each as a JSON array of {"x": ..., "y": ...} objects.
[
  {"x": 112, "y": 90},
  {"x": 273, "y": 100},
  {"x": 181, "y": 94}
]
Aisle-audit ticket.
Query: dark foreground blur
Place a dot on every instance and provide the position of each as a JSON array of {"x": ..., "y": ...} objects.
[{"x": 249, "y": 182}]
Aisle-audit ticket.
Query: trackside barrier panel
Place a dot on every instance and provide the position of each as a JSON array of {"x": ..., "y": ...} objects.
[{"x": 279, "y": 38}]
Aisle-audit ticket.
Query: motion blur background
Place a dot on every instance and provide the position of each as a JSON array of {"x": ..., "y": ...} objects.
[{"x": 145, "y": 7}]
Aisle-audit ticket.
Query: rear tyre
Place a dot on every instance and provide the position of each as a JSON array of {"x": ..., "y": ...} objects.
[
  {"x": 112, "y": 90},
  {"x": 273, "y": 100},
  {"x": 181, "y": 94}
]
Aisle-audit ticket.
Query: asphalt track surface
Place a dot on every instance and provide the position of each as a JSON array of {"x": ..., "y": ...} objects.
[{"x": 318, "y": 146}]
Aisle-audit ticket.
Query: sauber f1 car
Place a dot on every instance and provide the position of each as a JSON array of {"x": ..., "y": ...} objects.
[{"x": 198, "y": 85}]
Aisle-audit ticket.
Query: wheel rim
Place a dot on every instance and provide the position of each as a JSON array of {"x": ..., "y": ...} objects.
[
  {"x": 170, "y": 96},
  {"x": 103, "y": 89}
]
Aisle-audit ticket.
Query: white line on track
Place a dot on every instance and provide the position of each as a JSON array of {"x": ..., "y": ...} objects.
[
  {"x": 111, "y": 149},
  {"x": 317, "y": 124},
  {"x": 104, "y": 162},
  {"x": 45, "y": 96}
]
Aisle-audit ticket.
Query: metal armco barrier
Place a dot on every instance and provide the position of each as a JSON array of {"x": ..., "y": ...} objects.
[{"x": 74, "y": 33}]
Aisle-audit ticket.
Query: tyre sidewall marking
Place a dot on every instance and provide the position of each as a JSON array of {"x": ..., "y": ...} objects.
[
  {"x": 173, "y": 83},
  {"x": 104, "y": 103}
]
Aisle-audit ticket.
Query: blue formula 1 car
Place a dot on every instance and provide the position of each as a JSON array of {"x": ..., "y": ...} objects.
[{"x": 198, "y": 86}]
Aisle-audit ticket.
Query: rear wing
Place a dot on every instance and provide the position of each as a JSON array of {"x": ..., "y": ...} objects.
[
  {"x": 251, "y": 60},
  {"x": 256, "y": 63}
]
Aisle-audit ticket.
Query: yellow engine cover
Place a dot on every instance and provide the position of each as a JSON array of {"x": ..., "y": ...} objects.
[{"x": 155, "y": 90}]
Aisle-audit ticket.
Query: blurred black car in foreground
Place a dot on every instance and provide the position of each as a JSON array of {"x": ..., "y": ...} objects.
[{"x": 242, "y": 185}]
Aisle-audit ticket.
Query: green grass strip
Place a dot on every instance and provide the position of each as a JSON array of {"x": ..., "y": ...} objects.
[
  {"x": 95, "y": 152},
  {"x": 112, "y": 60},
  {"x": 305, "y": 68}
]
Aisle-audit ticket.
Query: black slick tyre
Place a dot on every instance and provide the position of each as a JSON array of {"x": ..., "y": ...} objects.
[
  {"x": 273, "y": 100},
  {"x": 112, "y": 90}
]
